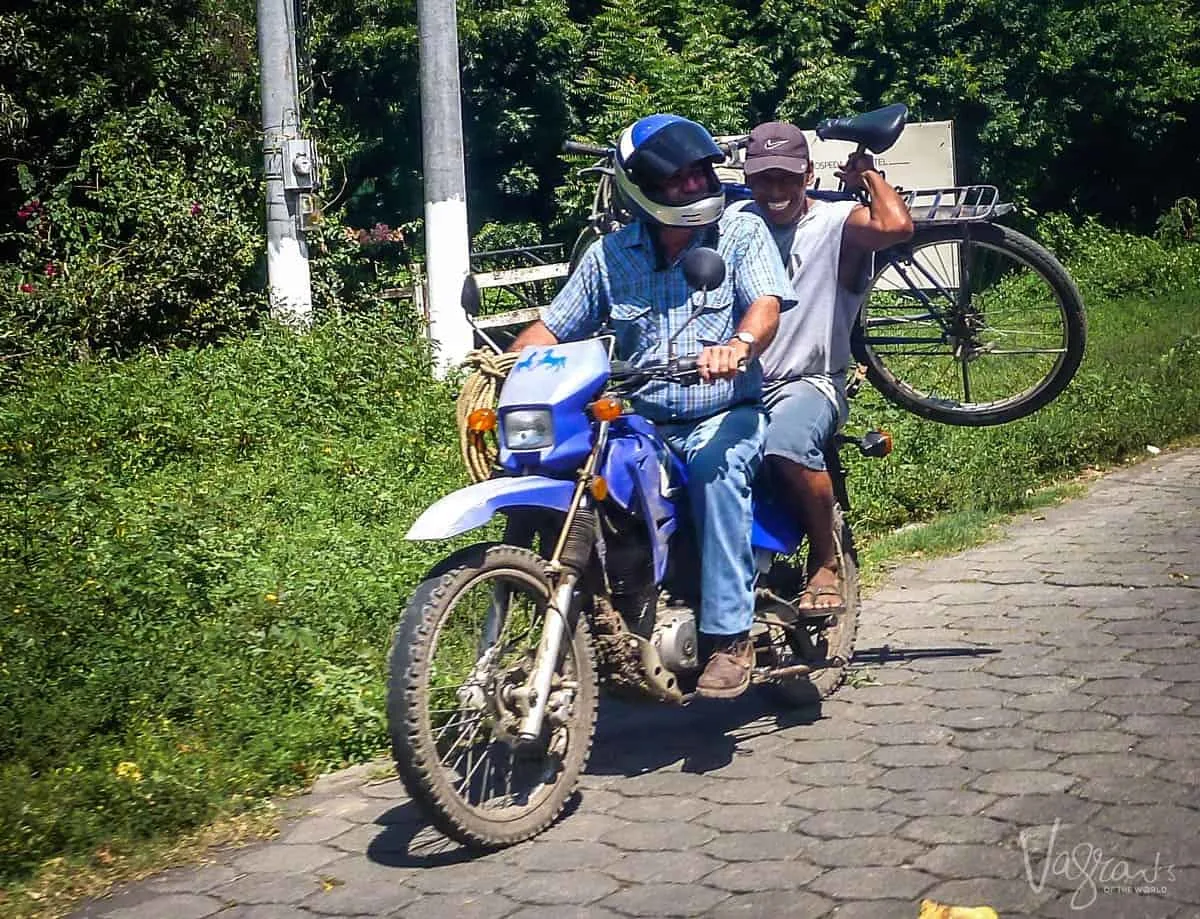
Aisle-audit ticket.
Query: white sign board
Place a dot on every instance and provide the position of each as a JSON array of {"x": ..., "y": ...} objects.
[{"x": 923, "y": 157}]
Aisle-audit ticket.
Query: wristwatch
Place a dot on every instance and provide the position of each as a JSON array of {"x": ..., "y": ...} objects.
[{"x": 748, "y": 340}]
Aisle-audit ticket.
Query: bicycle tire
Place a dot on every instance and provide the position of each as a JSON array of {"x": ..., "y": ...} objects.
[{"x": 955, "y": 326}]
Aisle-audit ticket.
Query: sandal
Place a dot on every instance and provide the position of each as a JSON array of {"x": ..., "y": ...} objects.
[{"x": 807, "y": 602}]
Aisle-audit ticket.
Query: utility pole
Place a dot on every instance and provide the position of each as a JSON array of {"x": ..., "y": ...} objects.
[
  {"x": 290, "y": 163},
  {"x": 447, "y": 242}
]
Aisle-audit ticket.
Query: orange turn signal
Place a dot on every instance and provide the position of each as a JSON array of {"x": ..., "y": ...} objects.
[
  {"x": 482, "y": 419},
  {"x": 599, "y": 487},
  {"x": 607, "y": 409}
]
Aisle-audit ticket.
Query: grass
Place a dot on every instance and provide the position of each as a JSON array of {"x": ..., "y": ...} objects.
[
  {"x": 59, "y": 884},
  {"x": 201, "y": 558},
  {"x": 952, "y": 532}
]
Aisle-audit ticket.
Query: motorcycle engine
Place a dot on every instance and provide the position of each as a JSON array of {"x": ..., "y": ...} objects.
[{"x": 676, "y": 640}]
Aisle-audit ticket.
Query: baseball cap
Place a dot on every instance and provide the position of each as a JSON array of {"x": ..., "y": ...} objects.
[{"x": 777, "y": 145}]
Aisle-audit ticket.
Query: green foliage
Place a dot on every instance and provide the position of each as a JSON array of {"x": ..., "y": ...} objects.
[
  {"x": 1108, "y": 263},
  {"x": 1063, "y": 103},
  {"x": 130, "y": 205},
  {"x": 201, "y": 558},
  {"x": 132, "y": 129},
  {"x": 1177, "y": 226}
]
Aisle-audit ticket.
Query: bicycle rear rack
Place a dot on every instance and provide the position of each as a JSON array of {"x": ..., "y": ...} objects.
[{"x": 955, "y": 204}]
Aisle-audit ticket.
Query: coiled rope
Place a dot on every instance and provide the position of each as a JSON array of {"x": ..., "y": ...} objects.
[{"x": 481, "y": 390}]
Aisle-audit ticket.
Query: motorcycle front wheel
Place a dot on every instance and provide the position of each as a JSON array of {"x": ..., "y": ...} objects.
[{"x": 460, "y": 662}]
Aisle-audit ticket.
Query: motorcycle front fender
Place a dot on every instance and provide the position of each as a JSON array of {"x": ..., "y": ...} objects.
[{"x": 476, "y": 504}]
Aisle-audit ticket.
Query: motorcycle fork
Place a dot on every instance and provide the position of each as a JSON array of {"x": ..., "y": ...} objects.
[{"x": 566, "y": 564}]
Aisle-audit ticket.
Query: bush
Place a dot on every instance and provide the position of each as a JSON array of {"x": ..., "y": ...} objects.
[
  {"x": 201, "y": 558},
  {"x": 1107, "y": 263}
]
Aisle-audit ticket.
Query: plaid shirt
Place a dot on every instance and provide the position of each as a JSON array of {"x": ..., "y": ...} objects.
[{"x": 620, "y": 286}]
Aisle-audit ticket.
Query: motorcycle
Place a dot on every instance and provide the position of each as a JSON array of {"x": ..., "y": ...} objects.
[{"x": 497, "y": 660}]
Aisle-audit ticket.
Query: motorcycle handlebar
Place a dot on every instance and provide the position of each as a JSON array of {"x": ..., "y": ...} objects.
[
  {"x": 683, "y": 370},
  {"x": 669, "y": 370}
]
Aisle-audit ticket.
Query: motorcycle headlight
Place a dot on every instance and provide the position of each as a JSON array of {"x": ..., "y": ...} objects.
[{"x": 527, "y": 429}]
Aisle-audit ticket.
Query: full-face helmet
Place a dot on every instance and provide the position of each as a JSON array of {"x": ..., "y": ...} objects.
[{"x": 653, "y": 149}]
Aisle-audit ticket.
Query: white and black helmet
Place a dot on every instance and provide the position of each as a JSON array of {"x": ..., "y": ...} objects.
[{"x": 653, "y": 149}]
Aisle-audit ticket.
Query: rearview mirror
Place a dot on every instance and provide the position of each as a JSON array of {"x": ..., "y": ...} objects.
[{"x": 704, "y": 269}]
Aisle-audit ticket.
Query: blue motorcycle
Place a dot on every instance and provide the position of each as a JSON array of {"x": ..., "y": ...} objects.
[{"x": 497, "y": 660}]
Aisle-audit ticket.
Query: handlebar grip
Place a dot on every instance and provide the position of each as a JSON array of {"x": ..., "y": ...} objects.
[
  {"x": 574, "y": 146},
  {"x": 683, "y": 365}
]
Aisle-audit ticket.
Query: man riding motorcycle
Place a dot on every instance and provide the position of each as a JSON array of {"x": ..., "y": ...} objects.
[{"x": 632, "y": 282}]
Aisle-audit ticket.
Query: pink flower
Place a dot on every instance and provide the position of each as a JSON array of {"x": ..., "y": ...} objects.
[
  {"x": 196, "y": 209},
  {"x": 380, "y": 233},
  {"x": 51, "y": 269},
  {"x": 27, "y": 288},
  {"x": 23, "y": 213}
]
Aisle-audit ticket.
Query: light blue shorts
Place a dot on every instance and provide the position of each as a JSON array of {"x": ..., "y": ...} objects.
[{"x": 801, "y": 422}]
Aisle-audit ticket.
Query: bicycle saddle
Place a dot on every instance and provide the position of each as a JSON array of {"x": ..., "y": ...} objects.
[{"x": 876, "y": 130}]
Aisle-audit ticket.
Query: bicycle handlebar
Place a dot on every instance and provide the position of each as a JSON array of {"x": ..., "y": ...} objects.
[{"x": 573, "y": 146}]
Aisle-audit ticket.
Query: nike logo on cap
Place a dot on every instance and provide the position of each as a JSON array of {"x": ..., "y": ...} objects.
[{"x": 773, "y": 143}]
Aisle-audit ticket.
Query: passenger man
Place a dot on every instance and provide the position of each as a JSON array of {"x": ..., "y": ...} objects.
[{"x": 827, "y": 250}]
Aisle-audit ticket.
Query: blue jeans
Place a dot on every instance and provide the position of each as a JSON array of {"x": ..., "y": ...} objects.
[{"x": 723, "y": 455}]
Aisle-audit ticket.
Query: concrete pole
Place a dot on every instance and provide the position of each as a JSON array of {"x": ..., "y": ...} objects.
[
  {"x": 288, "y": 280},
  {"x": 447, "y": 241}
]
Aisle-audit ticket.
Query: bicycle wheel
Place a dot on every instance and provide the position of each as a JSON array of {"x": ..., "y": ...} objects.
[{"x": 971, "y": 324}]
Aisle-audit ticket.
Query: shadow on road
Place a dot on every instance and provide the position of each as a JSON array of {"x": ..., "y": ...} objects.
[
  {"x": 406, "y": 840},
  {"x": 886, "y": 654},
  {"x": 636, "y": 738}
]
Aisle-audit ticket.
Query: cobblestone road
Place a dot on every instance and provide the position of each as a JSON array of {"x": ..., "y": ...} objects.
[{"x": 1031, "y": 741}]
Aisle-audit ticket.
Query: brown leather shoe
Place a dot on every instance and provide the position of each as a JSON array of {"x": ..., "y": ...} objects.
[{"x": 727, "y": 673}]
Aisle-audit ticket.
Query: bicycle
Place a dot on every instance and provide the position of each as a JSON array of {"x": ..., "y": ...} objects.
[{"x": 967, "y": 323}]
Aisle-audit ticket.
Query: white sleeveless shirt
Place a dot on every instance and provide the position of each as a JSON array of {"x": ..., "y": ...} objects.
[{"x": 813, "y": 341}]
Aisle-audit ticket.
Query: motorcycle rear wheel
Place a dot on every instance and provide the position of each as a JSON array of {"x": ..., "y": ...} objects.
[
  {"x": 464, "y": 645},
  {"x": 827, "y": 648}
]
